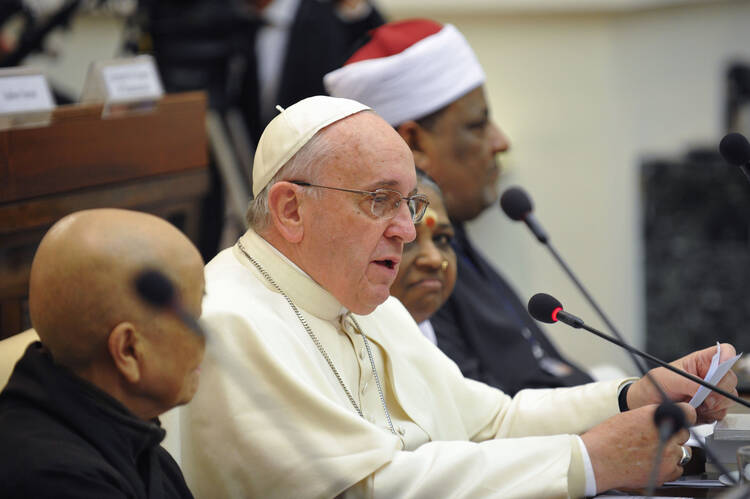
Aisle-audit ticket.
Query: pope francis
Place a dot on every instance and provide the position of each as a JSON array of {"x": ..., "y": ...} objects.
[{"x": 333, "y": 389}]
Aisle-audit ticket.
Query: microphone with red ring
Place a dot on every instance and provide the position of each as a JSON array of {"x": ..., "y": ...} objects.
[
  {"x": 518, "y": 206},
  {"x": 669, "y": 418},
  {"x": 546, "y": 308}
]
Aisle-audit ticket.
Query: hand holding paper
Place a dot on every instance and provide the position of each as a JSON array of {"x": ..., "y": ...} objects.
[
  {"x": 679, "y": 389},
  {"x": 716, "y": 371}
]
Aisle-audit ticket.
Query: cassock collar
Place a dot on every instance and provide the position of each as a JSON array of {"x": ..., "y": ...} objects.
[{"x": 298, "y": 285}]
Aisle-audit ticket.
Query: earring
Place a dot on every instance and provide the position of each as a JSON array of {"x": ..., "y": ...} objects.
[{"x": 444, "y": 265}]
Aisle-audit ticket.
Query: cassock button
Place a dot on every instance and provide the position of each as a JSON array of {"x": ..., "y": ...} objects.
[
  {"x": 400, "y": 430},
  {"x": 362, "y": 353}
]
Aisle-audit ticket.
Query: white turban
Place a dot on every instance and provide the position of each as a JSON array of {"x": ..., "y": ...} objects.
[{"x": 408, "y": 70}]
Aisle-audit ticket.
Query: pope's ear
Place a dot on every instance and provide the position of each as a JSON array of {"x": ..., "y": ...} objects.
[
  {"x": 284, "y": 205},
  {"x": 126, "y": 350},
  {"x": 416, "y": 138}
]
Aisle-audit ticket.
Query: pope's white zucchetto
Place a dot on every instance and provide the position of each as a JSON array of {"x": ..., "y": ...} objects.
[
  {"x": 408, "y": 70},
  {"x": 292, "y": 128}
]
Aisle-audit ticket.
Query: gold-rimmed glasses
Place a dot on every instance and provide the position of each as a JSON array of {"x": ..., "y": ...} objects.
[{"x": 384, "y": 203}]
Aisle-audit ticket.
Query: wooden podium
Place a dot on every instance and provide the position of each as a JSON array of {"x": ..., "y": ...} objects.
[{"x": 154, "y": 162}]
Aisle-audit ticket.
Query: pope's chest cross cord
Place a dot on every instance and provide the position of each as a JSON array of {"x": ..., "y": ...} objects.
[{"x": 319, "y": 345}]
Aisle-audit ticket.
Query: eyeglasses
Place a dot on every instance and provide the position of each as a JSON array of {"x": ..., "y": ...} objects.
[{"x": 384, "y": 203}]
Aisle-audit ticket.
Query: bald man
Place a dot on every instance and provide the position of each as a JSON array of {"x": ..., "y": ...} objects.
[{"x": 79, "y": 411}]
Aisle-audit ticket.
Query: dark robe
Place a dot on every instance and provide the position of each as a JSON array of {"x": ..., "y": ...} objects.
[
  {"x": 486, "y": 330},
  {"x": 319, "y": 42},
  {"x": 61, "y": 437}
]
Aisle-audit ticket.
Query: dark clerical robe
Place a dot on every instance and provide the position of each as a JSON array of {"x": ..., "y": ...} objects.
[
  {"x": 61, "y": 437},
  {"x": 486, "y": 330}
]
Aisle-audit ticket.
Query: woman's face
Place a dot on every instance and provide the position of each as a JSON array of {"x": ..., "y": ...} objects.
[{"x": 427, "y": 272}]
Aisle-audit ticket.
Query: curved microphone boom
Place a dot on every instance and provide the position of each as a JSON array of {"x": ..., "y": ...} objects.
[
  {"x": 735, "y": 150},
  {"x": 669, "y": 418},
  {"x": 518, "y": 206},
  {"x": 546, "y": 308}
]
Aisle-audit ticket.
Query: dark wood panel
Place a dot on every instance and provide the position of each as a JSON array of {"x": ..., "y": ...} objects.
[
  {"x": 81, "y": 149},
  {"x": 154, "y": 162},
  {"x": 46, "y": 210}
]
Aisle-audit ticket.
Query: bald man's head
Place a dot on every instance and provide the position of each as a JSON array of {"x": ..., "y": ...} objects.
[{"x": 81, "y": 288}]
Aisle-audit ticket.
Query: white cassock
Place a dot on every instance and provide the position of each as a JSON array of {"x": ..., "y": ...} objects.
[{"x": 271, "y": 420}]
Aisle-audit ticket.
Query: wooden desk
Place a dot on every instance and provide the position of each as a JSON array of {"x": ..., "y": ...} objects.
[{"x": 153, "y": 162}]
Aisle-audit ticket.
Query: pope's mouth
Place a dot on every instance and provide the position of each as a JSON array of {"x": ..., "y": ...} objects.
[{"x": 389, "y": 264}]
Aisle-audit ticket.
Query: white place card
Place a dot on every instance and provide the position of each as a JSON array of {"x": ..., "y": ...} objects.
[
  {"x": 25, "y": 98},
  {"x": 22, "y": 94},
  {"x": 132, "y": 82},
  {"x": 123, "y": 85}
]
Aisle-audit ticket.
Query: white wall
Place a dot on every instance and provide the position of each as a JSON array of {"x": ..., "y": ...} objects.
[{"x": 584, "y": 97}]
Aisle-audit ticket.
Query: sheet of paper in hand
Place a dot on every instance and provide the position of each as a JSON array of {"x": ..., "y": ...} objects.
[{"x": 715, "y": 372}]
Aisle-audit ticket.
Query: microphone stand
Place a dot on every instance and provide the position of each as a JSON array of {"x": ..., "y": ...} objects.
[
  {"x": 541, "y": 235},
  {"x": 664, "y": 412},
  {"x": 577, "y": 323}
]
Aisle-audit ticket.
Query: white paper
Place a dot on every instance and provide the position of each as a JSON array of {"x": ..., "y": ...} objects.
[
  {"x": 715, "y": 372},
  {"x": 699, "y": 433}
]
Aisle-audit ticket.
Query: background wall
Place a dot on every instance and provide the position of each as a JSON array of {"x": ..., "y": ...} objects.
[
  {"x": 585, "y": 90},
  {"x": 584, "y": 96}
]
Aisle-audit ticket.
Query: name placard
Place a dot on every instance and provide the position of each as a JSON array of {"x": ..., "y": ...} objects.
[
  {"x": 20, "y": 94},
  {"x": 132, "y": 82},
  {"x": 25, "y": 98},
  {"x": 123, "y": 85}
]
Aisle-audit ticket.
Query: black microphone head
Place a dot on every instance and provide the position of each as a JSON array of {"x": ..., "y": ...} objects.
[
  {"x": 735, "y": 149},
  {"x": 544, "y": 308},
  {"x": 669, "y": 412},
  {"x": 155, "y": 288},
  {"x": 516, "y": 203}
]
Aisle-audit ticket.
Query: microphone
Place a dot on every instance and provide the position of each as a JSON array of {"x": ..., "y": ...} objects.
[
  {"x": 735, "y": 150},
  {"x": 546, "y": 308},
  {"x": 156, "y": 289},
  {"x": 668, "y": 418},
  {"x": 517, "y": 205}
]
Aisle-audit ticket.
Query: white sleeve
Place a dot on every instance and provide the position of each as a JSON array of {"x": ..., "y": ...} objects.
[
  {"x": 517, "y": 467},
  {"x": 588, "y": 469}
]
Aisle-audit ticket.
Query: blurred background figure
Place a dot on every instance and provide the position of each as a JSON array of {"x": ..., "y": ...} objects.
[
  {"x": 250, "y": 56},
  {"x": 427, "y": 272}
]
